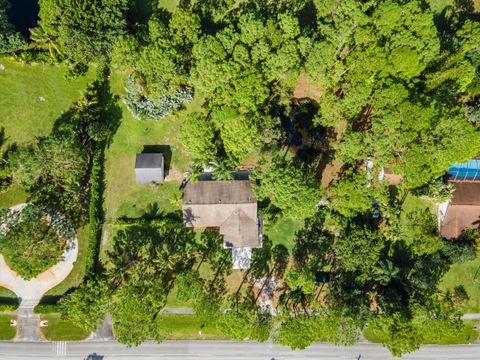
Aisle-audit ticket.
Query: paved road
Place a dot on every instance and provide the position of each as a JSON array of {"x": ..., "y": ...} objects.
[{"x": 221, "y": 350}]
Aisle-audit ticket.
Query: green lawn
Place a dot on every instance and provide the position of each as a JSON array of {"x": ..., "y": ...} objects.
[
  {"x": 468, "y": 275},
  {"x": 283, "y": 232},
  {"x": 22, "y": 113},
  {"x": 466, "y": 336},
  {"x": 76, "y": 276},
  {"x": 61, "y": 330},
  {"x": 180, "y": 327},
  {"x": 7, "y": 332}
]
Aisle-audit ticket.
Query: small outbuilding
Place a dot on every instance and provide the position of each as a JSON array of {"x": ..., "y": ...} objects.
[{"x": 149, "y": 168}]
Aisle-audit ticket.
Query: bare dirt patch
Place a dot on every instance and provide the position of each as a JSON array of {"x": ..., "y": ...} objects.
[{"x": 306, "y": 90}]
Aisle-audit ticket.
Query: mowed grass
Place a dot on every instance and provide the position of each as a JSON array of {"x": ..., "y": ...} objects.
[
  {"x": 468, "y": 275},
  {"x": 22, "y": 113},
  {"x": 467, "y": 335},
  {"x": 61, "y": 330},
  {"x": 7, "y": 332},
  {"x": 282, "y": 232},
  {"x": 187, "y": 327}
]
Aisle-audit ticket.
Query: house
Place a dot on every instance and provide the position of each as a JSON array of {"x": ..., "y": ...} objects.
[
  {"x": 149, "y": 168},
  {"x": 464, "y": 209},
  {"x": 229, "y": 206}
]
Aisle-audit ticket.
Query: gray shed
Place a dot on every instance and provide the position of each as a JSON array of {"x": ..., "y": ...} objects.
[{"x": 149, "y": 168}]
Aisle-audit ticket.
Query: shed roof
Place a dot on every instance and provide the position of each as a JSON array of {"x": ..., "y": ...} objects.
[{"x": 149, "y": 161}]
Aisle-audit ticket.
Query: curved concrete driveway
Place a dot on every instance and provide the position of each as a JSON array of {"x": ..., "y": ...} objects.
[{"x": 31, "y": 291}]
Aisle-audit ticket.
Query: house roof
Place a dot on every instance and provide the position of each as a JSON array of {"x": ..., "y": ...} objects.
[
  {"x": 459, "y": 218},
  {"x": 228, "y": 205},
  {"x": 240, "y": 230},
  {"x": 466, "y": 193},
  {"x": 218, "y": 192}
]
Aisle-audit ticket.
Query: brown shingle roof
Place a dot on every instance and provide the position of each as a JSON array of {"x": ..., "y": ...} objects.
[
  {"x": 466, "y": 193},
  {"x": 240, "y": 230},
  {"x": 228, "y": 205},
  {"x": 218, "y": 192},
  {"x": 459, "y": 218}
]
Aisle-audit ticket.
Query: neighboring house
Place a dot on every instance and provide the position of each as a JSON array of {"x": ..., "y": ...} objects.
[
  {"x": 149, "y": 168},
  {"x": 464, "y": 209},
  {"x": 229, "y": 206}
]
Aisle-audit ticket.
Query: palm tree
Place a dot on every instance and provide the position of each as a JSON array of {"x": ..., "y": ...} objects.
[
  {"x": 222, "y": 171},
  {"x": 44, "y": 41}
]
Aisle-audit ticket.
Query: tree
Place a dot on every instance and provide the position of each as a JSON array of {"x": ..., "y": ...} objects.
[
  {"x": 292, "y": 190},
  {"x": 197, "y": 135},
  {"x": 10, "y": 40},
  {"x": 87, "y": 305},
  {"x": 84, "y": 30}
]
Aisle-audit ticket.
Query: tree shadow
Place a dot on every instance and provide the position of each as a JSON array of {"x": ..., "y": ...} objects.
[{"x": 165, "y": 150}]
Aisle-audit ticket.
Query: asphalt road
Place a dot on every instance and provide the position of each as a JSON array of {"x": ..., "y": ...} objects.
[{"x": 221, "y": 350}]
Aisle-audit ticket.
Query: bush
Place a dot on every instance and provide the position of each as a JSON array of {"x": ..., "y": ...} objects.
[
  {"x": 141, "y": 106},
  {"x": 459, "y": 251},
  {"x": 8, "y": 307},
  {"x": 46, "y": 309}
]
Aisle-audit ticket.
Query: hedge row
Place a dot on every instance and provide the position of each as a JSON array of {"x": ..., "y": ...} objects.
[
  {"x": 95, "y": 210},
  {"x": 46, "y": 309},
  {"x": 8, "y": 307}
]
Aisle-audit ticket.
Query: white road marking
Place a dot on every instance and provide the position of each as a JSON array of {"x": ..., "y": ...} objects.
[{"x": 61, "y": 348}]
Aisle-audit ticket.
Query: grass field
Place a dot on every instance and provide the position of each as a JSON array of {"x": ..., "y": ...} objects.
[
  {"x": 468, "y": 275},
  {"x": 186, "y": 327},
  {"x": 467, "y": 336},
  {"x": 283, "y": 232},
  {"x": 22, "y": 113},
  {"x": 61, "y": 330},
  {"x": 7, "y": 332}
]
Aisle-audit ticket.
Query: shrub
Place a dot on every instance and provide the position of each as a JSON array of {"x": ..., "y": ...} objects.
[
  {"x": 141, "y": 106},
  {"x": 8, "y": 307},
  {"x": 46, "y": 309}
]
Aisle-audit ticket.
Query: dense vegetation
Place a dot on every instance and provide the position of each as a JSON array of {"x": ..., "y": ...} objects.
[
  {"x": 30, "y": 243},
  {"x": 318, "y": 96}
]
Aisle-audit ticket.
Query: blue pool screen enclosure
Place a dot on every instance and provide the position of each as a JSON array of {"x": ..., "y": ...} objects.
[{"x": 469, "y": 170}]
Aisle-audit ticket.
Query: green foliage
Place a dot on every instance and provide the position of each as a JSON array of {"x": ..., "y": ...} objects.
[
  {"x": 197, "y": 135},
  {"x": 80, "y": 30},
  {"x": 300, "y": 331},
  {"x": 301, "y": 279},
  {"x": 10, "y": 40},
  {"x": 246, "y": 323},
  {"x": 95, "y": 213},
  {"x": 289, "y": 188},
  {"x": 420, "y": 232},
  {"x": 87, "y": 305},
  {"x": 31, "y": 244}
]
